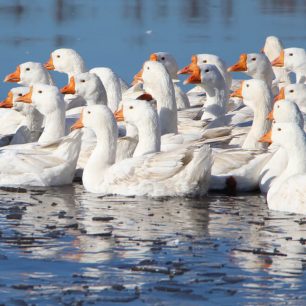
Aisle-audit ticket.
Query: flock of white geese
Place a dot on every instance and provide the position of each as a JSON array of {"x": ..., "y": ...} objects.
[{"x": 152, "y": 138}]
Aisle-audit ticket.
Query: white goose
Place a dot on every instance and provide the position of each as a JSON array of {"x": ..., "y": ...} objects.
[
  {"x": 287, "y": 192},
  {"x": 165, "y": 58},
  {"x": 295, "y": 93},
  {"x": 28, "y": 128},
  {"x": 202, "y": 59},
  {"x": 30, "y": 73},
  {"x": 183, "y": 172},
  {"x": 52, "y": 160},
  {"x": 70, "y": 62},
  {"x": 257, "y": 66},
  {"x": 272, "y": 48},
  {"x": 283, "y": 111},
  {"x": 294, "y": 60}
]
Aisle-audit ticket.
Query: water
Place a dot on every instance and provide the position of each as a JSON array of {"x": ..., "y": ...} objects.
[{"x": 65, "y": 246}]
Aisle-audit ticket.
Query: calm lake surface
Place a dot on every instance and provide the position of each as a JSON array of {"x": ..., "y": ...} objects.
[{"x": 65, "y": 246}]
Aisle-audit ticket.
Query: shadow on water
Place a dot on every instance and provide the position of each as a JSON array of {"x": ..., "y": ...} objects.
[{"x": 63, "y": 245}]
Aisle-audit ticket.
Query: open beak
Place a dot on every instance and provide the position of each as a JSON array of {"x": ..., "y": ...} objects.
[
  {"x": 241, "y": 65},
  {"x": 280, "y": 60},
  {"x": 49, "y": 65},
  {"x": 27, "y": 98},
  {"x": 8, "y": 101},
  {"x": 280, "y": 96},
  {"x": 119, "y": 115},
  {"x": 195, "y": 77},
  {"x": 78, "y": 124},
  {"x": 13, "y": 77},
  {"x": 270, "y": 116},
  {"x": 138, "y": 78},
  {"x": 70, "y": 88},
  {"x": 189, "y": 68},
  {"x": 266, "y": 138},
  {"x": 237, "y": 93}
]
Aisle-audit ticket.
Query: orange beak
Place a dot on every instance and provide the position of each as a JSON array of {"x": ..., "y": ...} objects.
[
  {"x": 241, "y": 65},
  {"x": 266, "y": 138},
  {"x": 8, "y": 101},
  {"x": 70, "y": 88},
  {"x": 13, "y": 77},
  {"x": 237, "y": 93},
  {"x": 279, "y": 61},
  {"x": 138, "y": 78},
  {"x": 119, "y": 115},
  {"x": 195, "y": 77},
  {"x": 189, "y": 68},
  {"x": 153, "y": 57},
  {"x": 49, "y": 65},
  {"x": 27, "y": 98},
  {"x": 280, "y": 96},
  {"x": 270, "y": 116},
  {"x": 78, "y": 124}
]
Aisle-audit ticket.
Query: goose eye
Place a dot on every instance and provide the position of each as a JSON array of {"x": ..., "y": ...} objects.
[
  {"x": 39, "y": 91},
  {"x": 27, "y": 69},
  {"x": 254, "y": 59},
  {"x": 247, "y": 85},
  {"x": 88, "y": 112},
  {"x": 204, "y": 61},
  {"x": 148, "y": 68},
  {"x": 279, "y": 129},
  {"x": 277, "y": 106},
  {"x": 131, "y": 107},
  {"x": 58, "y": 56},
  {"x": 20, "y": 95},
  {"x": 83, "y": 81},
  {"x": 290, "y": 54},
  {"x": 162, "y": 58},
  {"x": 291, "y": 90},
  {"x": 273, "y": 121},
  {"x": 206, "y": 70}
]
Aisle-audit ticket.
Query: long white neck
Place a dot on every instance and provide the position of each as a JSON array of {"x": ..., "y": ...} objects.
[
  {"x": 96, "y": 97},
  {"x": 163, "y": 92},
  {"x": 54, "y": 125},
  {"x": 267, "y": 76},
  {"x": 296, "y": 152},
  {"x": 149, "y": 137},
  {"x": 216, "y": 103},
  {"x": 261, "y": 107},
  {"x": 33, "y": 119},
  {"x": 103, "y": 156}
]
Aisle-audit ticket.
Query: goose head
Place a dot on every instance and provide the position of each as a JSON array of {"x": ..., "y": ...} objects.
[
  {"x": 205, "y": 74},
  {"x": 256, "y": 65},
  {"x": 293, "y": 92},
  {"x": 168, "y": 61},
  {"x": 87, "y": 85},
  {"x": 286, "y": 111},
  {"x": 153, "y": 73},
  {"x": 253, "y": 92},
  {"x": 46, "y": 98},
  {"x": 66, "y": 61},
  {"x": 291, "y": 58},
  {"x": 272, "y": 48},
  {"x": 29, "y": 73},
  {"x": 202, "y": 59},
  {"x": 11, "y": 100},
  {"x": 283, "y": 134},
  {"x": 96, "y": 117}
]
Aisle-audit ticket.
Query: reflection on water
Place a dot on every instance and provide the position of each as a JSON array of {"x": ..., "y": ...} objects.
[
  {"x": 66, "y": 246},
  {"x": 217, "y": 249}
]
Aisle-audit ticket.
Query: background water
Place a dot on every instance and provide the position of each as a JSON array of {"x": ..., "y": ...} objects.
[{"x": 64, "y": 246}]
